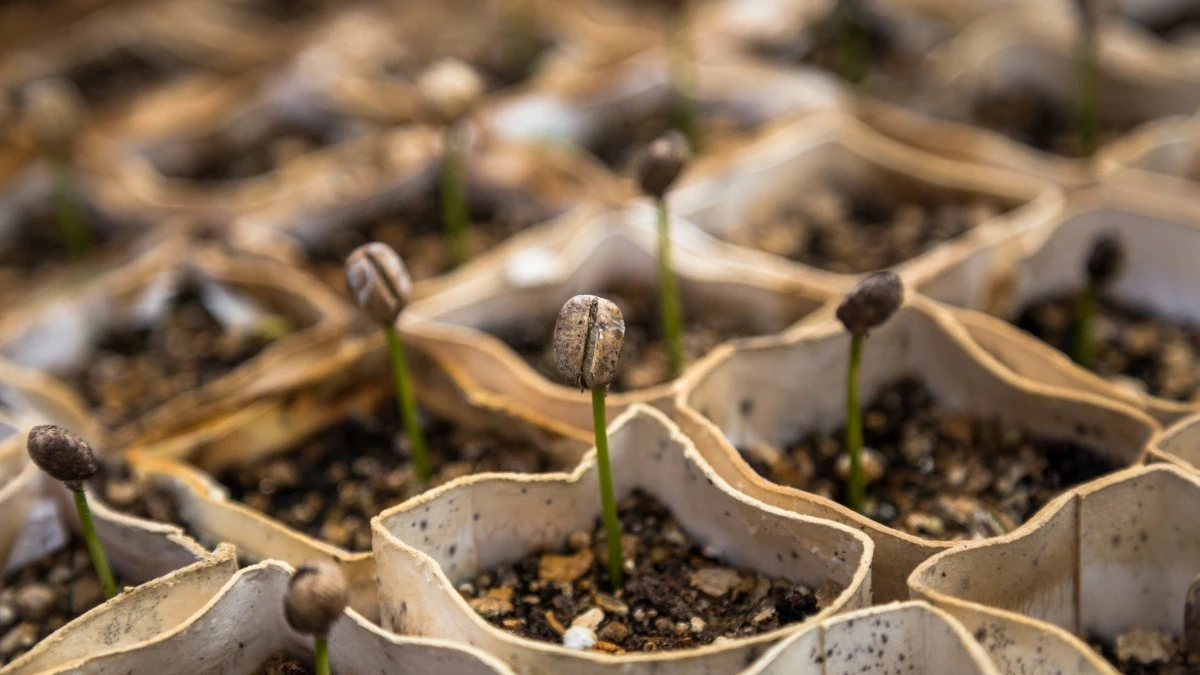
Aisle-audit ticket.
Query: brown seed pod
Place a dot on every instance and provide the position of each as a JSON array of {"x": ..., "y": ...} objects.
[
  {"x": 871, "y": 302},
  {"x": 587, "y": 341},
  {"x": 1106, "y": 259},
  {"x": 316, "y": 597},
  {"x": 661, "y": 162},
  {"x": 450, "y": 89},
  {"x": 54, "y": 110},
  {"x": 62, "y": 454},
  {"x": 378, "y": 281}
]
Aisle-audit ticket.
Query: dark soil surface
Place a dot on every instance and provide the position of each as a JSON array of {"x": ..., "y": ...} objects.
[
  {"x": 630, "y": 130},
  {"x": 118, "y": 75},
  {"x": 417, "y": 232},
  {"x": 1181, "y": 26},
  {"x": 117, "y": 487},
  {"x": 861, "y": 230},
  {"x": 676, "y": 596},
  {"x": 229, "y": 157},
  {"x": 643, "y": 354},
  {"x": 333, "y": 483},
  {"x": 1132, "y": 345},
  {"x": 44, "y": 596},
  {"x": 890, "y": 67},
  {"x": 1142, "y": 652},
  {"x": 1038, "y": 121},
  {"x": 35, "y": 245},
  {"x": 937, "y": 474},
  {"x": 281, "y": 664},
  {"x": 133, "y": 371}
]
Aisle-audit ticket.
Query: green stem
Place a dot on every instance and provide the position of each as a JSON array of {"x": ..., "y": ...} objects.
[
  {"x": 94, "y": 547},
  {"x": 668, "y": 288},
  {"x": 71, "y": 224},
  {"x": 855, "y": 485},
  {"x": 454, "y": 198},
  {"x": 852, "y": 43},
  {"x": 1083, "y": 346},
  {"x": 612, "y": 525},
  {"x": 681, "y": 85},
  {"x": 321, "y": 654},
  {"x": 408, "y": 405},
  {"x": 1088, "y": 101}
]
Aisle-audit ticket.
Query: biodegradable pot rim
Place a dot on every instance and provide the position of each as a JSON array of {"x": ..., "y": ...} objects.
[
  {"x": 696, "y": 256},
  {"x": 1162, "y": 447},
  {"x": 1116, "y": 197},
  {"x": 859, "y": 580},
  {"x": 920, "y": 589},
  {"x": 223, "y": 556},
  {"x": 360, "y": 622},
  {"x": 1035, "y": 200},
  {"x": 174, "y": 256},
  {"x": 956, "y": 332},
  {"x": 1034, "y": 27},
  {"x": 1122, "y": 160},
  {"x": 948, "y": 620}
]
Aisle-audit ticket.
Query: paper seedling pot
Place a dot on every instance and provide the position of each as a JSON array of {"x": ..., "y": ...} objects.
[
  {"x": 191, "y": 45},
  {"x": 876, "y": 640},
  {"x": 584, "y": 105},
  {"x": 1035, "y": 46},
  {"x": 25, "y": 188},
  {"x": 242, "y": 624},
  {"x": 775, "y": 390},
  {"x": 832, "y": 148},
  {"x": 533, "y": 278},
  {"x": 1180, "y": 443},
  {"x": 1002, "y": 278},
  {"x": 382, "y": 48},
  {"x": 19, "y": 488},
  {"x": 427, "y": 545},
  {"x": 185, "y": 463},
  {"x": 154, "y": 150},
  {"x": 501, "y": 175},
  {"x": 1162, "y": 156},
  {"x": 136, "y": 615},
  {"x": 1115, "y": 554},
  {"x": 57, "y": 335}
]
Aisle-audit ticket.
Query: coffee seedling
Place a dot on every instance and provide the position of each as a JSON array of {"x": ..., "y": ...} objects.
[
  {"x": 316, "y": 596},
  {"x": 867, "y": 306},
  {"x": 1104, "y": 263},
  {"x": 1191, "y": 619},
  {"x": 451, "y": 89},
  {"x": 681, "y": 76},
  {"x": 848, "y": 17},
  {"x": 1087, "y": 101},
  {"x": 379, "y": 283},
  {"x": 587, "y": 346},
  {"x": 660, "y": 164},
  {"x": 66, "y": 457},
  {"x": 55, "y": 112}
]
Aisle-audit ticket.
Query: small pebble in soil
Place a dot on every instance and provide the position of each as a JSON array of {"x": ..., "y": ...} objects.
[
  {"x": 132, "y": 371},
  {"x": 45, "y": 595},
  {"x": 643, "y": 353},
  {"x": 675, "y": 596},
  {"x": 331, "y": 484},
  {"x": 1038, "y": 121},
  {"x": 938, "y": 473},
  {"x": 1147, "y": 652},
  {"x": 850, "y": 231},
  {"x": 119, "y": 489},
  {"x": 282, "y": 664},
  {"x": 1135, "y": 349}
]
